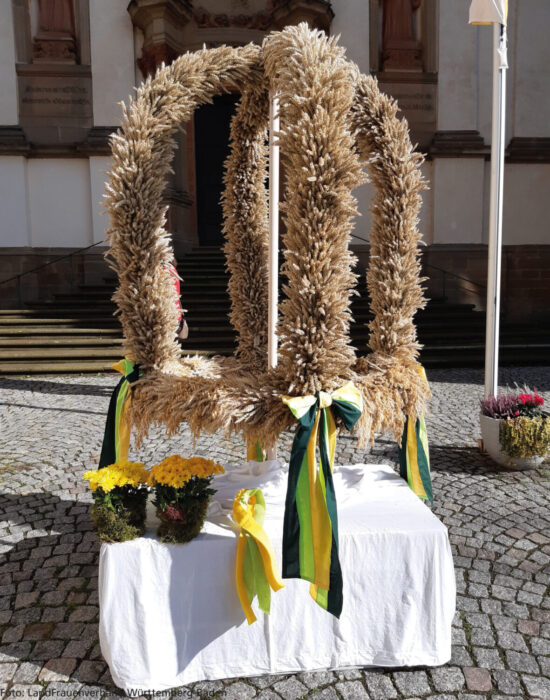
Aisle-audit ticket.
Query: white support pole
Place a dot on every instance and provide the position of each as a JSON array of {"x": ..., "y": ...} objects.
[
  {"x": 495, "y": 221},
  {"x": 273, "y": 253}
]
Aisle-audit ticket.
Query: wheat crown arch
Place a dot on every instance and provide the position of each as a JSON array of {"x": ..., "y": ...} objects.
[{"x": 334, "y": 121}]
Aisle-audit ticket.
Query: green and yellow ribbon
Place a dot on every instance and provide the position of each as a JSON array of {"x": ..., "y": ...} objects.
[
  {"x": 116, "y": 439},
  {"x": 255, "y": 451},
  {"x": 414, "y": 454},
  {"x": 255, "y": 571},
  {"x": 310, "y": 530}
]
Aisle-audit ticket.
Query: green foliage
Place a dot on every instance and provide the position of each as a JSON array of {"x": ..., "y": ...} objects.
[
  {"x": 183, "y": 497},
  {"x": 525, "y": 437},
  {"x": 120, "y": 497}
]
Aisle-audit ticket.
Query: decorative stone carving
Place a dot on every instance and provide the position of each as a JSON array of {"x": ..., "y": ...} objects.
[
  {"x": 161, "y": 22},
  {"x": 317, "y": 13},
  {"x": 206, "y": 20},
  {"x": 401, "y": 48},
  {"x": 155, "y": 54},
  {"x": 55, "y": 41}
]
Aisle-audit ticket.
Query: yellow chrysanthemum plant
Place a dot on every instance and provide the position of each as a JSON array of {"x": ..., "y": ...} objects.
[
  {"x": 120, "y": 499},
  {"x": 182, "y": 491}
]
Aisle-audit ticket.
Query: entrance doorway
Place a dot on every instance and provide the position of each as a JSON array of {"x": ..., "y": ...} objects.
[{"x": 212, "y": 123}]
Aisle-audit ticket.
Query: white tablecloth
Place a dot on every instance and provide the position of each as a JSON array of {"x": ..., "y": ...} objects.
[{"x": 170, "y": 615}]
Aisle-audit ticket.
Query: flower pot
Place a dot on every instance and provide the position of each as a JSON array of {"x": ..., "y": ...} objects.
[
  {"x": 180, "y": 525},
  {"x": 490, "y": 433},
  {"x": 126, "y": 521}
]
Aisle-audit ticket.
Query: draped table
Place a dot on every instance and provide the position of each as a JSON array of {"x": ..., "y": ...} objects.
[{"x": 170, "y": 614}]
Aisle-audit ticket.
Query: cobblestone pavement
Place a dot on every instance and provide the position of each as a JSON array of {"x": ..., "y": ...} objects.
[{"x": 499, "y": 524}]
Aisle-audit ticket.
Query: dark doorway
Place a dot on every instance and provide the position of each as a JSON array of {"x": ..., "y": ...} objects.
[{"x": 212, "y": 124}]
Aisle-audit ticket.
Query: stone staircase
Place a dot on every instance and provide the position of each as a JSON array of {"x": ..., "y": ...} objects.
[{"x": 78, "y": 333}]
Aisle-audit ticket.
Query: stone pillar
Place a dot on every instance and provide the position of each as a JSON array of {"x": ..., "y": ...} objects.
[{"x": 162, "y": 22}]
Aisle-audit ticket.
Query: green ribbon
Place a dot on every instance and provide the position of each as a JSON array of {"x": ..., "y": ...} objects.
[
  {"x": 111, "y": 448},
  {"x": 310, "y": 528},
  {"x": 414, "y": 458}
]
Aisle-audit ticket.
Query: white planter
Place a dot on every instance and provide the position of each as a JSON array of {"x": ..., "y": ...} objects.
[{"x": 490, "y": 433}]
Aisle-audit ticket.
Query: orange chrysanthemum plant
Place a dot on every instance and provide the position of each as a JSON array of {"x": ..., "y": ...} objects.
[{"x": 182, "y": 492}]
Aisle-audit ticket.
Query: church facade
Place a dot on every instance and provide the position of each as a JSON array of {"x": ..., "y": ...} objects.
[{"x": 65, "y": 65}]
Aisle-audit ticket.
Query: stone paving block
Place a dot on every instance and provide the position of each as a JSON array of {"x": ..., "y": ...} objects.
[
  {"x": 537, "y": 686},
  {"x": 544, "y": 663},
  {"x": 507, "y": 682},
  {"x": 380, "y": 686},
  {"x": 57, "y": 670},
  {"x": 487, "y": 658},
  {"x": 327, "y": 693},
  {"x": 27, "y": 672},
  {"x": 316, "y": 679},
  {"x": 482, "y": 637},
  {"x": 50, "y": 649},
  {"x": 530, "y": 627},
  {"x": 477, "y": 679},
  {"x": 522, "y": 662},
  {"x": 540, "y": 646},
  {"x": 460, "y": 656},
  {"x": 412, "y": 682},
  {"x": 511, "y": 640},
  {"x": 268, "y": 695},
  {"x": 262, "y": 682},
  {"x": 7, "y": 671},
  {"x": 352, "y": 690},
  {"x": 447, "y": 678},
  {"x": 503, "y": 622},
  {"x": 290, "y": 689},
  {"x": 239, "y": 691}
]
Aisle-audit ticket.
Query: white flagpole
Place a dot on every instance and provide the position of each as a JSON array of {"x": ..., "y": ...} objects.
[
  {"x": 273, "y": 252},
  {"x": 495, "y": 221}
]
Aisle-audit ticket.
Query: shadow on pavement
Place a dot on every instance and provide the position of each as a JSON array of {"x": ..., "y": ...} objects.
[
  {"x": 41, "y": 386},
  {"x": 48, "y": 592}
]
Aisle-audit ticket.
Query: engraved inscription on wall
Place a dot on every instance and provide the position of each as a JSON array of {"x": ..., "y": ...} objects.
[{"x": 50, "y": 98}]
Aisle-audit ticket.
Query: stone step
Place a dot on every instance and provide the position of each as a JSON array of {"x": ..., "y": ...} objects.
[
  {"x": 84, "y": 366},
  {"x": 58, "y": 340},
  {"x": 100, "y": 321},
  {"x": 59, "y": 353},
  {"x": 58, "y": 330}
]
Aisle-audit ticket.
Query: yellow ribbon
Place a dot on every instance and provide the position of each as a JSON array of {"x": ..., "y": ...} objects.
[{"x": 254, "y": 574}]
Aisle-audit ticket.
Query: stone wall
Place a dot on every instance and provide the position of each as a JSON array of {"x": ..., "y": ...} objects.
[
  {"x": 458, "y": 273},
  {"x": 59, "y": 277}
]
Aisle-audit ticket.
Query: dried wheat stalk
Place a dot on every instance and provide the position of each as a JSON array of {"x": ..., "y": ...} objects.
[{"x": 331, "y": 115}]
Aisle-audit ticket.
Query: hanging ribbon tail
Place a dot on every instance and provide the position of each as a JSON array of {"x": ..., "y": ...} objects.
[
  {"x": 255, "y": 451},
  {"x": 116, "y": 439},
  {"x": 414, "y": 458},
  {"x": 414, "y": 453},
  {"x": 255, "y": 571},
  {"x": 310, "y": 529}
]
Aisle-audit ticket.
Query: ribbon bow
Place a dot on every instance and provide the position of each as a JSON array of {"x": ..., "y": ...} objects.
[
  {"x": 310, "y": 530},
  {"x": 116, "y": 439},
  {"x": 255, "y": 570}
]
